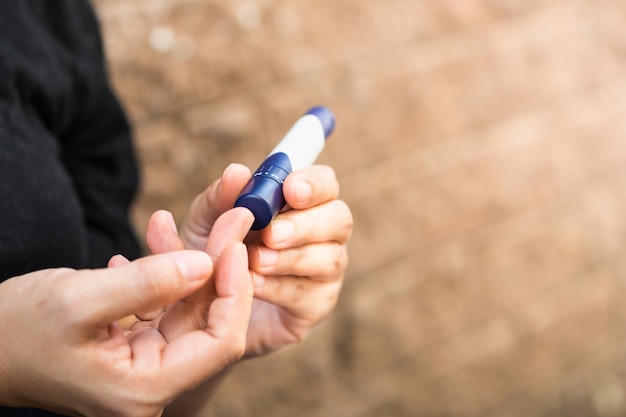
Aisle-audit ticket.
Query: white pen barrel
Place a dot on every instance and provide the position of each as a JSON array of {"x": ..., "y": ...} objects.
[{"x": 303, "y": 143}]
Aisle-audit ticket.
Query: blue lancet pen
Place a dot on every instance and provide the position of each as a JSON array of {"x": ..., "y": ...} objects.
[{"x": 299, "y": 148}]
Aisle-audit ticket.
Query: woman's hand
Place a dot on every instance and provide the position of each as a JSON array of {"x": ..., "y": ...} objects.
[
  {"x": 62, "y": 349},
  {"x": 298, "y": 262}
]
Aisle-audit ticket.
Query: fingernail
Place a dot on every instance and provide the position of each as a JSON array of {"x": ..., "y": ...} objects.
[
  {"x": 267, "y": 257},
  {"x": 194, "y": 265},
  {"x": 171, "y": 223},
  {"x": 282, "y": 230},
  {"x": 303, "y": 191},
  {"x": 227, "y": 171}
]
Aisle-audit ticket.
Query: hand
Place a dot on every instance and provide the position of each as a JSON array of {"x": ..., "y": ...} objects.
[
  {"x": 299, "y": 261},
  {"x": 61, "y": 348},
  {"x": 298, "y": 275}
]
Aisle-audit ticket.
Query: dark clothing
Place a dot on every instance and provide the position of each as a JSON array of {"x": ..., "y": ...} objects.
[
  {"x": 67, "y": 166},
  {"x": 67, "y": 169}
]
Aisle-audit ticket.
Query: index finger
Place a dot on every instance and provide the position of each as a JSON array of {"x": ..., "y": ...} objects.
[
  {"x": 309, "y": 187},
  {"x": 198, "y": 354}
]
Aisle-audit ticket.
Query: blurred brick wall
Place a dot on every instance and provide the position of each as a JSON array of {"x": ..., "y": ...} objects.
[{"x": 482, "y": 147}]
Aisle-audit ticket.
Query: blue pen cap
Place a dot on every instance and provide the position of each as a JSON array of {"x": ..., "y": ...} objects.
[{"x": 263, "y": 195}]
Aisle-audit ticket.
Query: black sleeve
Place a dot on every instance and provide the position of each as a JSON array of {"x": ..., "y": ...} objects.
[
  {"x": 97, "y": 151},
  {"x": 96, "y": 146},
  {"x": 67, "y": 166}
]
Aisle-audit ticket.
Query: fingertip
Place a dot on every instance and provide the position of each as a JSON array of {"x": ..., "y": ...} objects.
[
  {"x": 303, "y": 192},
  {"x": 162, "y": 233},
  {"x": 235, "y": 170},
  {"x": 246, "y": 217},
  {"x": 117, "y": 260},
  {"x": 310, "y": 186},
  {"x": 168, "y": 218},
  {"x": 232, "y": 226},
  {"x": 225, "y": 191},
  {"x": 234, "y": 178}
]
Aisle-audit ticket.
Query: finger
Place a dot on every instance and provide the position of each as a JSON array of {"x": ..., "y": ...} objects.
[
  {"x": 230, "y": 227},
  {"x": 304, "y": 299},
  {"x": 162, "y": 234},
  {"x": 310, "y": 186},
  {"x": 233, "y": 286},
  {"x": 147, "y": 345},
  {"x": 127, "y": 322},
  {"x": 331, "y": 221},
  {"x": 117, "y": 260},
  {"x": 320, "y": 262},
  {"x": 99, "y": 297},
  {"x": 198, "y": 355},
  {"x": 208, "y": 206},
  {"x": 150, "y": 315}
]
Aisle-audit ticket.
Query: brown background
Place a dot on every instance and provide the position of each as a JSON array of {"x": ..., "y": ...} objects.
[{"x": 481, "y": 145}]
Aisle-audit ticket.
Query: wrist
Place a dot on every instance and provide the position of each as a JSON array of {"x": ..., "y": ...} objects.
[
  {"x": 195, "y": 403},
  {"x": 8, "y": 395}
]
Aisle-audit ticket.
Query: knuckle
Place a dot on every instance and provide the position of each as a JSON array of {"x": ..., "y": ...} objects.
[
  {"x": 347, "y": 220},
  {"x": 297, "y": 255},
  {"x": 313, "y": 223},
  {"x": 336, "y": 261},
  {"x": 278, "y": 288},
  {"x": 340, "y": 257},
  {"x": 63, "y": 300}
]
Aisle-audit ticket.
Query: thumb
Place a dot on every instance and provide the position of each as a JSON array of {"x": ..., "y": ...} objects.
[
  {"x": 208, "y": 206},
  {"x": 105, "y": 295},
  {"x": 162, "y": 234}
]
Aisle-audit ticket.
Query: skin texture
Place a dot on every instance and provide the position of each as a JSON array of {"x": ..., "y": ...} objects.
[
  {"x": 63, "y": 350},
  {"x": 200, "y": 303},
  {"x": 297, "y": 263}
]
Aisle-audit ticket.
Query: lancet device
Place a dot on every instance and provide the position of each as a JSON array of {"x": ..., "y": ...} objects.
[{"x": 299, "y": 148}]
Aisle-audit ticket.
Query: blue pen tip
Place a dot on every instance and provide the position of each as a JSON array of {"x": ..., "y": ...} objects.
[{"x": 326, "y": 117}]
